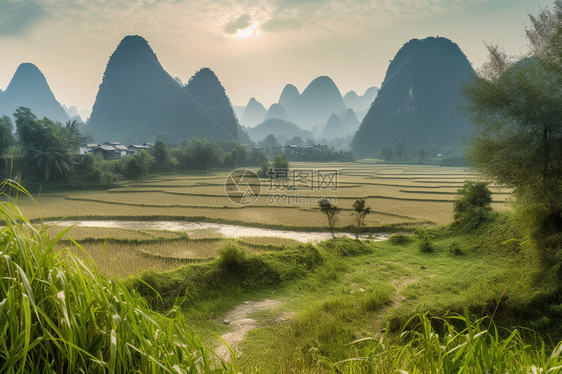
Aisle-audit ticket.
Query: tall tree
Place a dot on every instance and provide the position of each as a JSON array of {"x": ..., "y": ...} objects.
[{"x": 516, "y": 107}]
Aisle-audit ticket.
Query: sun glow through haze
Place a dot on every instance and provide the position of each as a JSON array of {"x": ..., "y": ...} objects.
[{"x": 249, "y": 32}]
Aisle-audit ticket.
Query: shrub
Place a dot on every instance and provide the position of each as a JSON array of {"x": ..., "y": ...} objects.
[
  {"x": 455, "y": 249},
  {"x": 424, "y": 243},
  {"x": 231, "y": 256},
  {"x": 399, "y": 239},
  {"x": 472, "y": 207}
]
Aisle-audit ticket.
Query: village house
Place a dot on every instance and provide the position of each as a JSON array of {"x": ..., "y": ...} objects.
[
  {"x": 305, "y": 152},
  {"x": 112, "y": 150}
]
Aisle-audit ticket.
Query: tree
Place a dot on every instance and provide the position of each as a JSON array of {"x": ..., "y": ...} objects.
[
  {"x": 139, "y": 165},
  {"x": 516, "y": 107},
  {"x": 45, "y": 144},
  {"x": 72, "y": 134},
  {"x": 270, "y": 141},
  {"x": 231, "y": 158},
  {"x": 359, "y": 214},
  {"x": 6, "y": 136},
  {"x": 296, "y": 140},
  {"x": 331, "y": 213},
  {"x": 161, "y": 155},
  {"x": 280, "y": 162},
  {"x": 387, "y": 152}
]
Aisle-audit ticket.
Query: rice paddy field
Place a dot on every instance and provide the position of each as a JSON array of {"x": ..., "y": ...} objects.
[{"x": 402, "y": 198}]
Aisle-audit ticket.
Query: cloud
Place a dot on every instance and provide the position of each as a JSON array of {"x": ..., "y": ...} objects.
[
  {"x": 239, "y": 23},
  {"x": 278, "y": 24},
  {"x": 17, "y": 17}
]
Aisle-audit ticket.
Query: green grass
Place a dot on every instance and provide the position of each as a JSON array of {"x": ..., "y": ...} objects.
[{"x": 56, "y": 315}]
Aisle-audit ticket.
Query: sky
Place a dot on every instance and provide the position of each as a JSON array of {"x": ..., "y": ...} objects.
[{"x": 255, "y": 47}]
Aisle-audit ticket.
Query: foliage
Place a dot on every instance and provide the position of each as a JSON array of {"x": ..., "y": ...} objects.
[
  {"x": 47, "y": 146},
  {"x": 424, "y": 241},
  {"x": 232, "y": 272},
  {"x": 138, "y": 166},
  {"x": 59, "y": 316},
  {"x": 269, "y": 142},
  {"x": 231, "y": 256},
  {"x": 6, "y": 136},
  {"x": 517, "y": 111},
  {"x": 50, "y": 155},
  {"x": 360, "y": 212},
  {"x": 434, "y": 345},
  {"x": 399, "y": 239},
  {"x": 331, "y": 212},
  {"x": 455, "y": 249},
  {"x": 281, "y": 162},
  {"x": 162, "y": 157},
  {"x": 472, "y": 206},
  {"x": 264, "y": 171}
]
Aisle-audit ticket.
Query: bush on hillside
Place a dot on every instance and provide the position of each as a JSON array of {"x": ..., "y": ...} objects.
[{"x": 472, "y": 207}]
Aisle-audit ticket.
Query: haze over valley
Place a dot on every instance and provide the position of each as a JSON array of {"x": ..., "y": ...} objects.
[{"x": 281, "y": 186}]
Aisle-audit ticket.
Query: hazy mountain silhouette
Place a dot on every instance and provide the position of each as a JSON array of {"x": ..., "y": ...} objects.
[
  {"x": 277, "y": 111},
  {"x": 138, "y": 99},
  {"x": 214, "y": 110},
  {"x": 253, "y": 114},
  {"x": 340, "y": 126},
  {"x": 351, "y": 99},
  {"x": 358, "y": 103},
  {"x": 417, "y": 105},
  {"x": 289, "y": 94},
  {"x": 361, "y": 103},
  {"x": 282, "y": 130},
  {"x": 29, "y": 88},
  {"x": 72, "y": 113},
  {"x": 239, "y": 111},
  {"x": 316, "y": 104}
]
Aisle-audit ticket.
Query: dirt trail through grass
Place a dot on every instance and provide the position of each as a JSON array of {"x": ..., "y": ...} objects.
[
  {"x": 395, "y": 303},
  {"x": 241, "y": 323}
]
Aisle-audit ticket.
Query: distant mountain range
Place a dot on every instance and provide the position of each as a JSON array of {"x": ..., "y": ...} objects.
[
  {"x": 418, "y": 103},
  {"x": 138, "y": 100},
  {"x": 281, "y": 129},
  {"x": 416, "y": 106},
  {"x": 319, "y": 105},
  {"x": 30, "y": 89},
  {"x": 361, "y": 104},
  {"x": 254, "y": 113},
  {"x": 342, "y": 126}
]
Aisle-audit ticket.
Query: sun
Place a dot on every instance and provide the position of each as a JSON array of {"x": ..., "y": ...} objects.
[{"x": 247, "y": 33}]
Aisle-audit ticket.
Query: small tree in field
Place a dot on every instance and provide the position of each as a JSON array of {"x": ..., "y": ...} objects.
[
  {"x": 280, "y": 162},
  {"x": 360, "y": 212},
  {"x": 331, "y": 213}
]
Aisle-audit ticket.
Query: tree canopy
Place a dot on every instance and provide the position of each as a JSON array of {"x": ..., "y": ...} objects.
[{"x": 516, "y": 107}]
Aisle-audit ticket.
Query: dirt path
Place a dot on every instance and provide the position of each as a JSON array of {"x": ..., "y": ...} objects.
[
  {"x": 241, "y": 324},
  {"x": 395, "y": 303}
]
